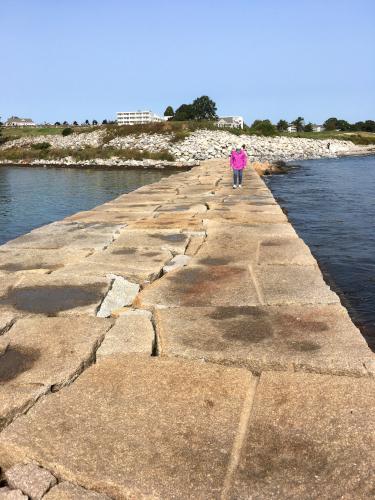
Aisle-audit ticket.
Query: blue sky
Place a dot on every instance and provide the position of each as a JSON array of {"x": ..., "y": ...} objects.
[{"x": 86, "y": 59}]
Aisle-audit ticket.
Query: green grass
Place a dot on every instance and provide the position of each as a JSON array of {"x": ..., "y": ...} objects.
[
  {"x": 360, "y": 138},
  {"x": 18, "y": 132}
]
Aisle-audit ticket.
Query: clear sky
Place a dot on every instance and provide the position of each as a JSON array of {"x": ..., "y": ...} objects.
[{"x": 86, "y": 59}]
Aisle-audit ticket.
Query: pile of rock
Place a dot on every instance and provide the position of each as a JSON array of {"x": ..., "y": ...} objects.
[
  {"x": 206, "y": 144},
  {"x": 113, "y": 162},
  {"x": 74, "y": 141},
  {"x": 144, "y": 142},
  {"x": 201, "y": 145}
]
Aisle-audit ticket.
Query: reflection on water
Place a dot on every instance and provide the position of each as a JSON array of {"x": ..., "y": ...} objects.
[
  {"x": 331, "y": 204},
  {"x": 32, "y": 197}
]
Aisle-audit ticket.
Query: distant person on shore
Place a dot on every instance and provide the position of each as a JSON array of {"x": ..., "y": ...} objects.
[
  {"x": 328, "y": 146},
  {"x": 238, "y": 161}
]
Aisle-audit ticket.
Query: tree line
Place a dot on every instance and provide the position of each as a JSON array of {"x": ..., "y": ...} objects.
[
  {"x": 202, "y": 108},
  {"x": 330, "y": 124}
]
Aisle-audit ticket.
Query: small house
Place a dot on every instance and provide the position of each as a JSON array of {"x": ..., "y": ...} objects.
[
  {"x": 230, "y": 122},
  {"x": 14, "y": 121}
]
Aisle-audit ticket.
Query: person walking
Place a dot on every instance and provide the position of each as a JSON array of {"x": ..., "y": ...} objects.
[{"x": 238, "y": 161}]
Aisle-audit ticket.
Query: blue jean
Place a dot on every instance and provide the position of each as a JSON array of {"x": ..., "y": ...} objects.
[{"x": 237, "y": 177}]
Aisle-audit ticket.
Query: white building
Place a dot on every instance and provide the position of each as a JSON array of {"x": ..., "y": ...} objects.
[
  {"x": 137, "y": 117},
  {"x": 292, "y": 128},
  {"x": 317, "y": 128},
  {"x": 14, "y": 121},
  {"x": 230, "y": 122}
]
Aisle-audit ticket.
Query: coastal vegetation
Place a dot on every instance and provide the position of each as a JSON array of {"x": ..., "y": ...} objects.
[
  {"x": 176, "y": 130},
  {"x": 43, "y": 151}
]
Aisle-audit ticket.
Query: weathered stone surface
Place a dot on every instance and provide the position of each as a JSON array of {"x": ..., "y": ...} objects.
[
  {"x": 32, "y": 480},
  {"x": 182, "y": 222},
  {"x": 113, "y": 217},
  {"x": 246, "y": 217},
  {"x": 7, "y": 318},
  {"x": 147, "y": 427},
  {"x": 134, "y": 264},
  {"x": 31, "y": 259},
  {"x": 282, "y": 284},
  {"x": 285, "y": 251},
  {"x": 8, "y": 494},
  {"x": 54, "y": 294},
  {"x": 122, "y": 293},
  {"x": 125, "y": 311},
  {"x": 3, "y": 345},
  {"x": 226, "y": 285},
  {"x": 67, "y": 234},
  {"x": 171, "y": 240},
  {"x": 310, "y": 436},
  {"x": 44, "y": 353},
  {"x": 177, "y": 262},
  {"x": 317, "y": 339},
  {"x": 194, "y": 245},
  {"x": 69, "y": 491},
  {"x": 193, "y": 208},
  {"x": 125, "y": 205},
  {"x": 132, "y": 333},
  {"x": 244, "y": 207}
]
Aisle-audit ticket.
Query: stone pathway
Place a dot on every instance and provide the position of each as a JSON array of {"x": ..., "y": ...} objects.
[{"x": 180, "y": 342}]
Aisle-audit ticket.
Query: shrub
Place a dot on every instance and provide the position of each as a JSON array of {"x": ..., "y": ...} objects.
[
  {"x": 179, "y": 135},
  {"x": 263, "y": 127},
  {"x": 43, "y": 146},
  {"x": 66, "y": 131}
]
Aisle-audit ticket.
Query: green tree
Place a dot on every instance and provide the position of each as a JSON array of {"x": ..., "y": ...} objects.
[
  {"x": 104, "y": 122},
  {"x": 309, "y": 127},
  {"x": 75, "y": 123},
  {"x": 169, "y": 111},
  {"x": 184, "y": 113},
  {"x": 282, "y": 126},
  {"x": 369, "y": 126},
  {"x": 330, "y": 124},
  {"x": 95, "y": 122},
  {"x": 343, "y": 125},
  {"x": 204, "y": 108},
  {"x": 263, "y": 127},
  {"x": 57, "y": 124},
  {"x": 299, "y": 123},
  {"x": 87, "y": 122}
]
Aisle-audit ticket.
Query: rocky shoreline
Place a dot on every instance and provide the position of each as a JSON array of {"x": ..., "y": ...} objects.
[{"x": 198, "y": 146}]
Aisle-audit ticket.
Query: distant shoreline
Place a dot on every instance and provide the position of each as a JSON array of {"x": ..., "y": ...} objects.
[{"x": 139, "y": 165}]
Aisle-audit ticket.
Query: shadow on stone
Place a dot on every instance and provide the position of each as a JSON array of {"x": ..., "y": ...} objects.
[
  {"x": 52, "y": 299},
  {"x": 14, "y": 362}
]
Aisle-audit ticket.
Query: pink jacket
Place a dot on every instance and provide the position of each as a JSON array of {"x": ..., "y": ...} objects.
[{"x": 238, "y": 161}]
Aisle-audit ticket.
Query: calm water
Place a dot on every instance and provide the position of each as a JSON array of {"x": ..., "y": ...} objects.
[
  {"x": 32, "y": 197},
  {"x": 331, "y": 204}
]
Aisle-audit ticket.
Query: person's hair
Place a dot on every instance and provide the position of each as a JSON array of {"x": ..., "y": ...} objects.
[{"x": 243, "y": 146}]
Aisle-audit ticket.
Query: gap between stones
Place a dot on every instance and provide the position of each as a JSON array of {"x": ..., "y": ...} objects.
[
  {"x": 85, "y": 363},
  {"x": 240, "y": 437}
]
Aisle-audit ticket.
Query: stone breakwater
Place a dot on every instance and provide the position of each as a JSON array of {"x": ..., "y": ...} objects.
[
  {"x": 198, "y": 146},
  {"x": 180, "y": 342}
]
